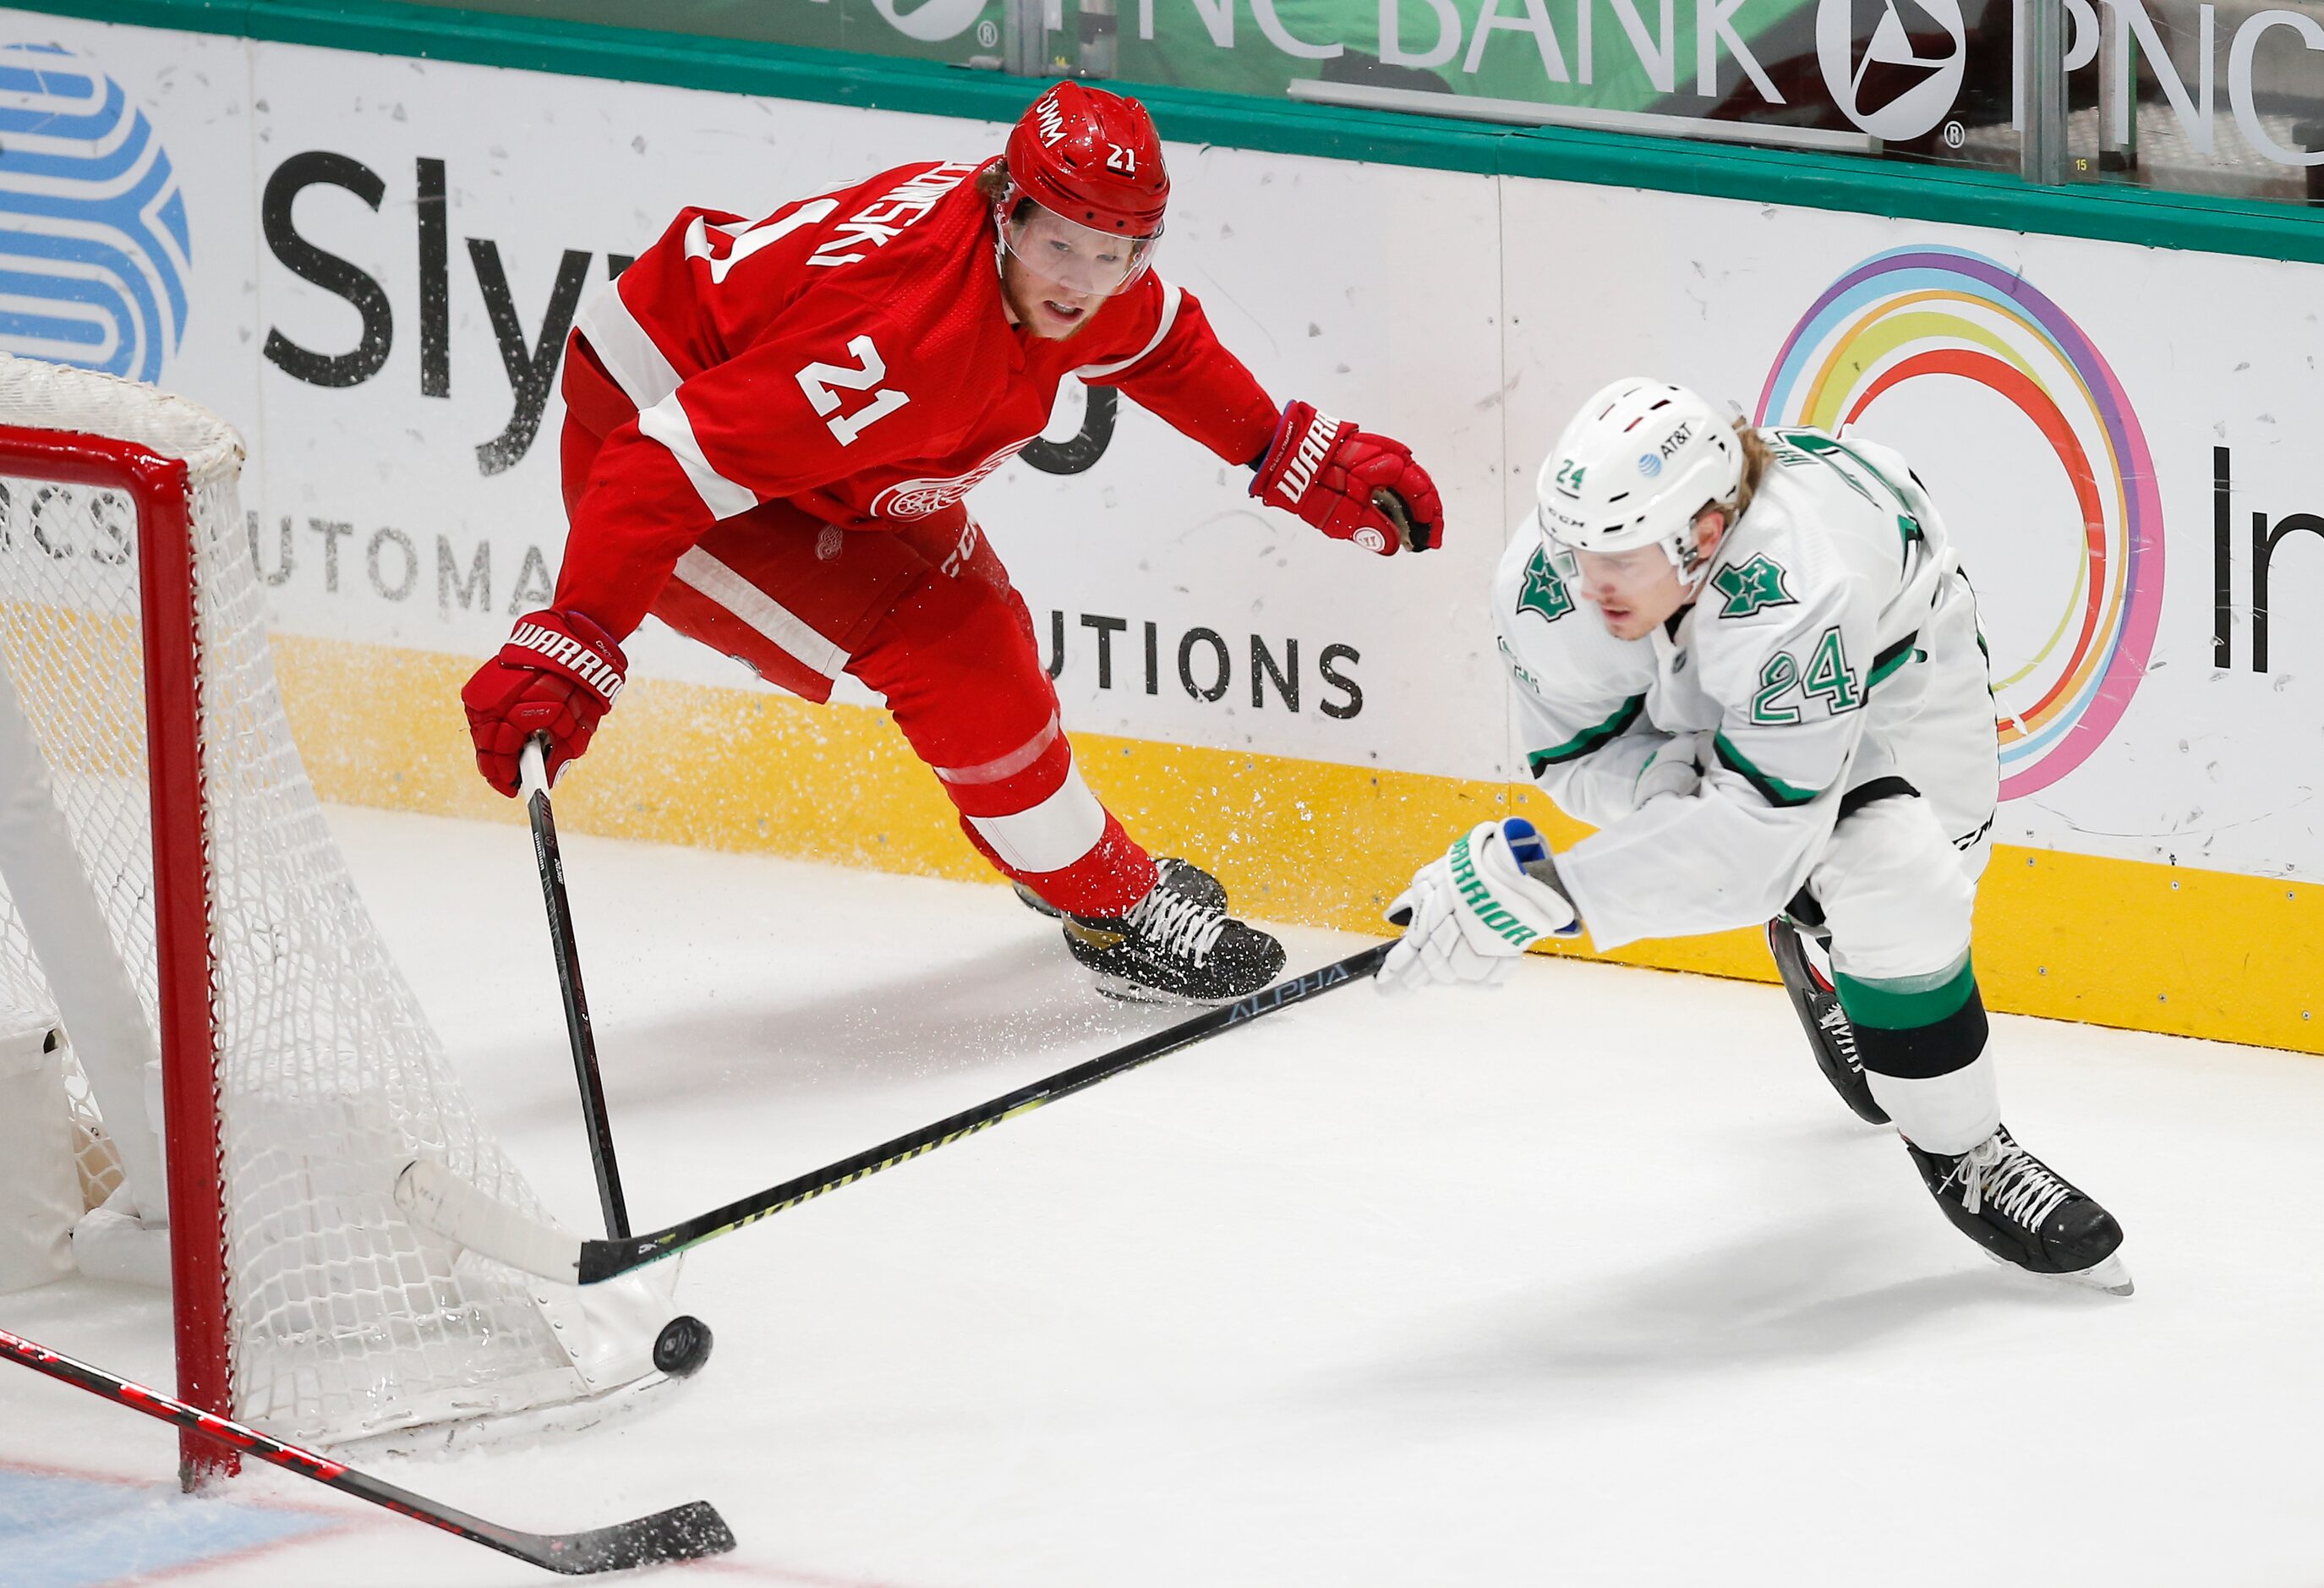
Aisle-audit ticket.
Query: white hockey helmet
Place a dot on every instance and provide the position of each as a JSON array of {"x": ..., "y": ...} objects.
[{"x": 1633, "y": 468}]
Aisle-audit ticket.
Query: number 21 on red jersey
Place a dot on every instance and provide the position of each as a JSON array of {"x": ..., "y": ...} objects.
[{"x": 823, "y": 383}]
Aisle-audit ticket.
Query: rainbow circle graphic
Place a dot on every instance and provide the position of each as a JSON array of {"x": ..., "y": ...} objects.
[{"x": 1913, "y": 312}]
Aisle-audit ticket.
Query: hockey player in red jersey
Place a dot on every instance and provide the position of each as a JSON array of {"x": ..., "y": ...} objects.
[{"x": 772, "y": 427}]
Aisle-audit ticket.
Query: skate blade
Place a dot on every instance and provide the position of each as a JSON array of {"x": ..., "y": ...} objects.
[
  {"x": 2108, "y": 1274},
  {"x": 1122, "y": 990}
]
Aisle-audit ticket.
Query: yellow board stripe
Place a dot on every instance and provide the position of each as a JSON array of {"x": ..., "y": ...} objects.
[{"x": 2120, "y": 943}]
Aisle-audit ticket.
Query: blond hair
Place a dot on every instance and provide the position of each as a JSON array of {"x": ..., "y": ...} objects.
[{"x": 992, "y": 183}]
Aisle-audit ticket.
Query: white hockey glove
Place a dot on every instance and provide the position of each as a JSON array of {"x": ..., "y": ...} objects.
[
  {"x": 1676, "y": 768},
  {"x": 1468, "y": 915}
]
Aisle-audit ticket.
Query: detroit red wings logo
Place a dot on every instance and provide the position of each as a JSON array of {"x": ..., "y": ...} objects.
[{"x": 909, "y": 499}]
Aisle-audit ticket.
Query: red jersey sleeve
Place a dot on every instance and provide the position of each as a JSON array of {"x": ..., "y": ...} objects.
[
  {"x": 812, "y": 403},
  {"x": 1184, "y": 375}
]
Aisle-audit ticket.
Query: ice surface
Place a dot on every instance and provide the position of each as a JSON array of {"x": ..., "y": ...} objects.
[{"x": 1589, "y": 1281}]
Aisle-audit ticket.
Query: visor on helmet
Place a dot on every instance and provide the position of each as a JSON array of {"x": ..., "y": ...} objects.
[
  {"x": 1565, "y": 557},
  {"x": 1079, "y": 259}
]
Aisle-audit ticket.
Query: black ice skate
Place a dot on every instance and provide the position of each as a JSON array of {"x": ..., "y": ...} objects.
[
  {"x": 2021, "y": 1211},
  {"x": 1177, "y": 944},
  {"x": 1817, "y": 1003},
  {"x": 1211, "y": 892}
]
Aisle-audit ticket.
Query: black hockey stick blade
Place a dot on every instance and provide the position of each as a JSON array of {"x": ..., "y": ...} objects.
[
  {"x": 438, "y": 1200},
  {"x": 685, "y": 1532}
]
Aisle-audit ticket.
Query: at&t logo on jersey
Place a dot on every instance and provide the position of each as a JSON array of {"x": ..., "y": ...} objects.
[{"x": 93, "y": 233}]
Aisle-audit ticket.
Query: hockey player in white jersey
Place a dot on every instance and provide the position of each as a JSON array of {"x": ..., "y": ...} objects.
[{"x": 1748, "y": 659}]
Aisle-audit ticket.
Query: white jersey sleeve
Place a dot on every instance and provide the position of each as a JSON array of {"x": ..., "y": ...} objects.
[{"x": 1579, "y": 693}]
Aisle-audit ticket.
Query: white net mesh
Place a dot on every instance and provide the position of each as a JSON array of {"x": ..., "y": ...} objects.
[{"x": 346, "y": 1319}]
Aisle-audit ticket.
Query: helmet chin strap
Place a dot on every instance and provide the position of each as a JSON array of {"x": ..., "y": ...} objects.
[
  {"x": 1001, "y": 274},
  {"x": 1691, "y": 562}
]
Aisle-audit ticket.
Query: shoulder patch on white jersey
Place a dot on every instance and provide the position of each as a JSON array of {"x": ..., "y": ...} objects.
[
  {"x": 1541, "y": 591},
  {"x": 1752, "y": 587}
]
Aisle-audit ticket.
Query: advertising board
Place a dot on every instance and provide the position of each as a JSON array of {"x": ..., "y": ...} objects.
[{"x": 369, "y": 266}]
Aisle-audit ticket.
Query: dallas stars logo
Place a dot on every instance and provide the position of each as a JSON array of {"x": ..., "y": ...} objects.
[
  {"x": 1751, "y": 586},
  {"x": 1544, "y": 591}
]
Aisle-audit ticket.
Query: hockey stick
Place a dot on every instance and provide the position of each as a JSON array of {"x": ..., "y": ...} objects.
[
  {"x": 686, "y": 1532},
  {"x": 683, "y": 1346},
  {"x": 533, "y": 781},
  {"x": 434, "y": 1197}
]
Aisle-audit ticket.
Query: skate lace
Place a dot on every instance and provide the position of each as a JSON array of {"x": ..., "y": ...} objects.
[
  {"x": 1999, "y": 1171},
  {"x": 1177, "y": 925},
  {"x": 1840, "y": 1029}
]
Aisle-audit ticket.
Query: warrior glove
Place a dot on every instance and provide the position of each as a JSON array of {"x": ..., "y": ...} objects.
[
  {"x": 559, "y": 673},
  {"x": 1468, "y": 915},
  {"x": 1350, "y": 483}
]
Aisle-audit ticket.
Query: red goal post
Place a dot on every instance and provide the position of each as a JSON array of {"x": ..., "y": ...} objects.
[
  {"x": 172, "y": 898},
  {"x": 160, "y": 502}
]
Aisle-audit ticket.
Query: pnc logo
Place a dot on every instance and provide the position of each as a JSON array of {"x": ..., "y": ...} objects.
[{"x": 1884, "y": 86}]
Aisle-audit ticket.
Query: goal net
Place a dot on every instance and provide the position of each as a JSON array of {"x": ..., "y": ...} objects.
[{"x": 178, "y": 932}]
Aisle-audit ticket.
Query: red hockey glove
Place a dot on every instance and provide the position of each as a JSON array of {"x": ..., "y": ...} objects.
[
  {"x": 559, "y": 673},
  {"x": 1350, "y": 483}
]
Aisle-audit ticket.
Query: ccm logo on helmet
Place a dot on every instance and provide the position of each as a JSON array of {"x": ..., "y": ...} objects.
[{"x": 1050, "y": 120}]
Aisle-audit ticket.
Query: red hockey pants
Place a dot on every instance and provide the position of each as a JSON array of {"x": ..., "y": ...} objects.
[{"x": 925, "y": 616}]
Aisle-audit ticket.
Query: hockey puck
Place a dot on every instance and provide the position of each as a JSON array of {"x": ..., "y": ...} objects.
[{"x": 682, "y": 1346}]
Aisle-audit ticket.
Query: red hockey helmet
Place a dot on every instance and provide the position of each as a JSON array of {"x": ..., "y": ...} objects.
[
  {"x": 1092, "y": 157},
  {"x": 1082, "y": 209}
]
